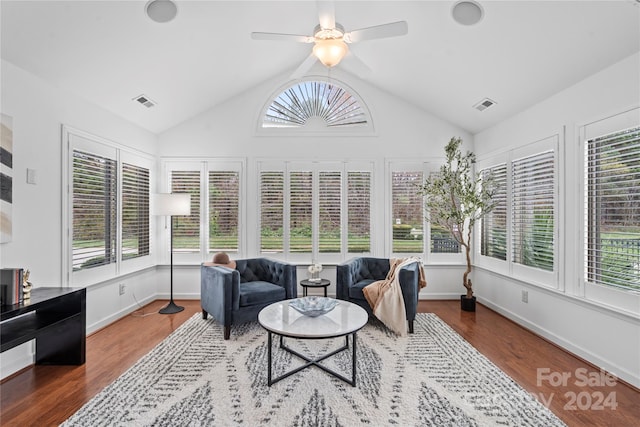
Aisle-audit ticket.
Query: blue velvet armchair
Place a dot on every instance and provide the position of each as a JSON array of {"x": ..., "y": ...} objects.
[
  {"x": 234, "y": 296},
  {"x": 355, "y": 274}
]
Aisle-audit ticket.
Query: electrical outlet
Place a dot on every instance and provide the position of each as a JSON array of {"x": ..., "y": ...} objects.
[
  {"x": 122, "y": 287},
  {"x": 525, "y": 296}
]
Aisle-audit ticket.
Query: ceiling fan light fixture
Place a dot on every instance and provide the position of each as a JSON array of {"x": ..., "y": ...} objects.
[{"x": 330, "y": 51}]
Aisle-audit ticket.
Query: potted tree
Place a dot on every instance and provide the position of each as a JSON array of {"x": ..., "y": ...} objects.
[{"x": 456, "y": 197}]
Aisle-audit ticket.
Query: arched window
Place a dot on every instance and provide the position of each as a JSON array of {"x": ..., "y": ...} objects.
[{"x": 316, "y": 105}]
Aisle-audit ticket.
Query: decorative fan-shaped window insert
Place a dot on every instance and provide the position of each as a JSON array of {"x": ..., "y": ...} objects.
[{"x": 315, "y": 105}]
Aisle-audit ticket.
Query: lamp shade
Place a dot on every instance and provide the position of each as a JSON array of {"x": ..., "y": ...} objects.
[
  {"x": 330, "y": 51},
  {"x": 169, "y": 204}
]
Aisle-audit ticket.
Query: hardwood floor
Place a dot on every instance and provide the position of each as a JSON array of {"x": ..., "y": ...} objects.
[
  {"x": 521, "y": 354},
  {"x": 47, "y": 395}
]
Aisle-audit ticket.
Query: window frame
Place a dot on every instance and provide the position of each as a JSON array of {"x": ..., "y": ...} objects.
[
  {"x": 623, "y": 300},
  {"x": 532, "y": 275},
  {"x": 75, "y": 139},
  {"x": 359, "y": 130},
  {"x": 481, "y": 224},
  {"x": 520, "y": 269},
  {"x": 203, "y": 166},
  {"x": 315, "y": 168},
  {"x": 431, "y": 258},
  {"x": 139, "y": 262}
]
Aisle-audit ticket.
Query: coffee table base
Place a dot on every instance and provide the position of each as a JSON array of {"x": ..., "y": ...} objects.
[{"x": 312, "y": 362}]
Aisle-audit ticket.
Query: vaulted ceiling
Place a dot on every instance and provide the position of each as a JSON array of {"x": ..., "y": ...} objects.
[{"x": 521, "y": 52}]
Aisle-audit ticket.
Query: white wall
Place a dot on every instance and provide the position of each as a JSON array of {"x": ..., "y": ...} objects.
[
  {"x": 39, "y": 110},
  {"x": 229, "y": 130},
  {"x": 402, "y": 132},
  {"x": 606, "y": 337}
]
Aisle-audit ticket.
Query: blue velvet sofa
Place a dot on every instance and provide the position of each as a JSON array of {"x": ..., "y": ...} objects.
[
  {"x": 353, "y": 275},
  {"x": 234, "y": 296}
]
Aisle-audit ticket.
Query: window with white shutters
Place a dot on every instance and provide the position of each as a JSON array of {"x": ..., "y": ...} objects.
[
  {"x": 329, "y": 211},
  {"x": 94, "y": 210},
  {"x": 533, "y": 211},
  {"x": 407, "y": 211},
  {"x": 358, "y": 212},
  {"x": 307, "y": 102},
  {"x": 224, "y": 209},
  {"x": 493, "y": 226},
  {"x": 272, "y": 212},
  {"x": 324, "y": 210},
  {"x": 612, "y": 209},
  {"x": 186, "y": 229},
  {"x": 135, "y": 211},
  {"x": 105, "y": 210},
  {"x": 301, "y": 208},
  {"x": 440, "y": 239}
]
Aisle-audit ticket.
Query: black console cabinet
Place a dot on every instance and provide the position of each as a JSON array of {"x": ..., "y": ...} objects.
[{"x": 55, "y": 318}]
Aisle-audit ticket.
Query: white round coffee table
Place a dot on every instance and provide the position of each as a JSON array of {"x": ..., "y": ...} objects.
[{"x": 344, "y": 320}]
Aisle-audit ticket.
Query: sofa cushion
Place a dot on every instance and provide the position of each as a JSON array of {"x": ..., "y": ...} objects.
[
  {"x": 355, "y": 291},
  {"x": 258, "y": 292}
]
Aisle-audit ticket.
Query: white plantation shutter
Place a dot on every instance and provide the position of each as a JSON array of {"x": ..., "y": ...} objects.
[
  {"x": 493, "y": 226},
  {"x": 135, "y": 211},
  {"x": 308, "y": 100},
  {"x": 613, "y": 209},
  {"x": 301, "y": 211},
  {"x": 325, "y": 210},
  {"x": 407, "y": 211},
  {"x": 533, "y": 212},
  {"x": 186, "y": 229},
  {"x": 329, "y": 220},
  {"x": 94, "y": 208},
  {"x": 358, "y": 212},
  {"x": 271, "y": 212},
  {"x": 441, "y": 241},
  {"x": 224, "y": 209}
]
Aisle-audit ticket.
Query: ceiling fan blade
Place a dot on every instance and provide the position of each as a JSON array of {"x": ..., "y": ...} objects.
[
  {"x": 304, "y": 67},
  {"x": 326, "y": 14},
  {"x": 392, "y": 29},
  {"x": 282, "y": 37},
  {"x": 356, "y": 66}
]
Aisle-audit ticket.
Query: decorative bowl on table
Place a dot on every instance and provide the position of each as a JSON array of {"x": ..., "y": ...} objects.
[{"x": 313, "y": 306}]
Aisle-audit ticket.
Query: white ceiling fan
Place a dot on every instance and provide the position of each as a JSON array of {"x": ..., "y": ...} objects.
[{"x": 330, "y": 40}]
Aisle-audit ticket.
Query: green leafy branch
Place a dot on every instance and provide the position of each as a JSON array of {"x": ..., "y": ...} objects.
[{"x": 456, "y": 197}]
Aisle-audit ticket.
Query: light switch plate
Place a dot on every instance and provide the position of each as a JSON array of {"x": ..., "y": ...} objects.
[{"x": 31, "y": 176}]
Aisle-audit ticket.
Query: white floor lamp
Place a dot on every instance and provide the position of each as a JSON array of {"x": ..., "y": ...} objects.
[{"x": 172, "y": 204}]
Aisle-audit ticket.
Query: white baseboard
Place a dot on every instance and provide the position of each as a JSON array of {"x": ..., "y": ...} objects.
[
  {"x": 106, "y": 321},
  {"x": 439, "y": 296},
  {"x": 11, "y": 361},
  {"x": 184, "y": 295}
]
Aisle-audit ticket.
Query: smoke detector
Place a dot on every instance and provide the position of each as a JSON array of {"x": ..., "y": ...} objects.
[
  {"x": 161, "y": 11},
  {"x": 467, "y": 12},
  {"x": 484, "y": 104},
  {"x": 145, "y": 100}
]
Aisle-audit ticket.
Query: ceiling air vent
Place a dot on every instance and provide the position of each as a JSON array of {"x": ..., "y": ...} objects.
[
  {"x": 145, "y": 100},
  {"x": 484, "y": 104}
]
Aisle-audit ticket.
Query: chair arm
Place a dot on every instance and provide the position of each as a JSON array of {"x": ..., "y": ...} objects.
[
  {"x": 219, "y": 292},
  {"x": 346, "y": 276},
  {"x": 408, "y": 278},
  {"x": 282, "y": 274}
]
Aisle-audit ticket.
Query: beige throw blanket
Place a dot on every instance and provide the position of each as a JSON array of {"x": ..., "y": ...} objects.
[{"x": 385, "y": 296}]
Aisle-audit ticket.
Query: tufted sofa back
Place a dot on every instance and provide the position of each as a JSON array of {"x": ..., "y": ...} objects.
[{"x": 267, "y": 270}]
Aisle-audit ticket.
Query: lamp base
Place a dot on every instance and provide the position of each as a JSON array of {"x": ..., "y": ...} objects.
[{"x": 171, "y": 308}]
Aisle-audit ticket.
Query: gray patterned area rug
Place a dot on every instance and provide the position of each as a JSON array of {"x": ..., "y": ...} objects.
[{"x": 430, "y": 378}]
